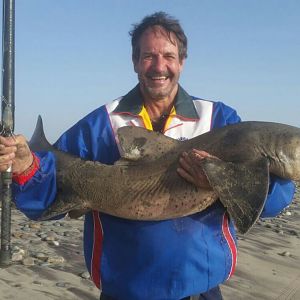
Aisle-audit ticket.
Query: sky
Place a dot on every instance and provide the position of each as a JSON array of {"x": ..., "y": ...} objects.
[{"x": 73, "y": 56}]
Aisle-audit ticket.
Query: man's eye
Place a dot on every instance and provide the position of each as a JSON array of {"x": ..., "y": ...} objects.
[{"x": 170, "y": 57}]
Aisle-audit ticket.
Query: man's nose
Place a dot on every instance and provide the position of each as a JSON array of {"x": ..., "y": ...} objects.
[{"x": 158, "y": 64}]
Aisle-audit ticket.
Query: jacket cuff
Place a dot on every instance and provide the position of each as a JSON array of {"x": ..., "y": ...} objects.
[{"x": 26, "y": 175}]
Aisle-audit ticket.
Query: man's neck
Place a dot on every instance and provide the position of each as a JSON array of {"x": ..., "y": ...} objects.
[{"x": 156, "y": 108}]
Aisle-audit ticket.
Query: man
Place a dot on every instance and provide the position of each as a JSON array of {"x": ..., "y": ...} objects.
[{"x": 173, "y": 259}]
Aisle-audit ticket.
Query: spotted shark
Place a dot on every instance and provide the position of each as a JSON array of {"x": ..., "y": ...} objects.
[{"x": 145, "y": 185}]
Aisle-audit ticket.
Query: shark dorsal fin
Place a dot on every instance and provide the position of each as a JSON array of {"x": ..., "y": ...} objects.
[{"x": 38, "y": 141}]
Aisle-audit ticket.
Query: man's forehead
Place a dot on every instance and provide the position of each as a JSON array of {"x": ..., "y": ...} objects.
[{"x": 159, "y": 31}]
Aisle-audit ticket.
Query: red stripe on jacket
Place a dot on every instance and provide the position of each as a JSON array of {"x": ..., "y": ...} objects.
[
  {"x": 228, "y": 236},
  {"x": 97, "y": 250}
]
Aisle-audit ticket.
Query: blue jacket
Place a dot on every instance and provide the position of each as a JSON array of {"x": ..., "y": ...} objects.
[{"x": 145, "y": 260}]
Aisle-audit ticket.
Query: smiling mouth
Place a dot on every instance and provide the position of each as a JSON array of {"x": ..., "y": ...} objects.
[{"x": 158, "y": 79}]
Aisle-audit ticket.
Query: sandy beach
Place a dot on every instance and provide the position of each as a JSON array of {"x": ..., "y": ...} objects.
[
  {"x": 48, "y": 261},
  {"x": 269, "y": 259}
]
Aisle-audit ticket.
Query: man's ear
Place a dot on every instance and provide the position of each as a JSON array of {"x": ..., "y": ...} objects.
[
  {"x": 135, "y": 62},
  {"x": 182, "y": 64}
]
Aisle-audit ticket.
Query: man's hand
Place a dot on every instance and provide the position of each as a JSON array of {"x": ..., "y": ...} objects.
[
  {"x": 15, "y": 152},
  {"x": 191, "y": 170}
]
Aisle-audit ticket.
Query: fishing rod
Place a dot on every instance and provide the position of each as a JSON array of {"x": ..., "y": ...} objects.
[{"x": 8, "y": 121}]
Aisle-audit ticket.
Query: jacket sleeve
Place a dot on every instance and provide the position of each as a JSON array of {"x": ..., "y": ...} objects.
[
  {"x": 281, "y": 191},
  {"x": 34, "y": 196},
  {"x": 37, "y": 194},
  {"x": 281, "y": 194}
]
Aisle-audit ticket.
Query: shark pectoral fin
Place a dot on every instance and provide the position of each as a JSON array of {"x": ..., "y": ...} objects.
[
  {"x": 241, "y": 187},
  {"x": 125, "y": 162},
  {"x": 61, "y": 206},
  {"x": 77, "y": 213}
]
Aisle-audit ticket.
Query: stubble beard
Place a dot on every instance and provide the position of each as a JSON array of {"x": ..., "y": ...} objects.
[{"x": 157, "y": 94}]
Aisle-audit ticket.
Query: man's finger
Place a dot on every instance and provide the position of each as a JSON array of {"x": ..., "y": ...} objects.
[
  {"x": 186, "y": 164},
  {"x": 5, "y": 159},
  {"x": 186, "y": 175},
  {"x": 4, "y": 167},
  {"x": 8, "y": 141},
  {"x": 202, "y": 154},
  {"x": 6, "y": 150}
]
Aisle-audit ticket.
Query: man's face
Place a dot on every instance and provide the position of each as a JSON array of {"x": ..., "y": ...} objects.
[{"x": 158, "y": 66}]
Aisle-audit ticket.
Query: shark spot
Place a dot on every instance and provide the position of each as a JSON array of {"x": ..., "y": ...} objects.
[{"x": 140, "y": 142}]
